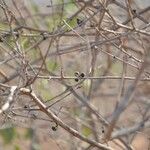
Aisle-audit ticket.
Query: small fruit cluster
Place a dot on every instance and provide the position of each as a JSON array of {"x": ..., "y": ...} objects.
[{"x": 79, "y": 76}]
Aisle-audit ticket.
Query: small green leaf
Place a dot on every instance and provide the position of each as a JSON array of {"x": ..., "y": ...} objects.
[
  {"x": 16, "y": 147},
  {"x": 51, "y": 65},
  {"x": 25, "y": 43},
  {"x": 70, "y": 24},
  {"x": 73, "y": 22},
  {"x": 116, "y": 68},
  {"x": 70, "y": 7},
  {"x": 86, "y": 131}
]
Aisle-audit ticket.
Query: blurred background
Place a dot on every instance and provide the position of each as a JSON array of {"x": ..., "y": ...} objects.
[{"x": 56, "y": 38}]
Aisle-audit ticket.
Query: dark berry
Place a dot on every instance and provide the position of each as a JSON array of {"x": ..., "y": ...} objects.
[
  {"x": 25, "y": 106},
  {"x": 82, "y": 75},
  {"x": 1, "y": 40},
  {"x": 130, "y": 56},
  {"x": 44, "y": 38},
  {"x": 79, "y": 21},
  {"x": 134, "y": 11},
  {"x": 17, "y": 35},
  {"x": 76, "y": 73},
  {"x": 103, "y": 131},
  {"x": 76, "y": 79},
  {"x": 54, "y": 128}
]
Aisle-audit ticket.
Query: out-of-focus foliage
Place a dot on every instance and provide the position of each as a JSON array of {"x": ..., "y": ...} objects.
[
  {"x": 86, "y": 131},
  {"x": 17, "y": 147},
  {"x": 29, "y": 133},
  {"x": 8, "y": 135},
  {"x": 44, "y": 90}
]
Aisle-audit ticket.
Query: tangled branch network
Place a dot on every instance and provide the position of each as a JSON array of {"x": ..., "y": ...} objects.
[{"x": 78, "y": 67}]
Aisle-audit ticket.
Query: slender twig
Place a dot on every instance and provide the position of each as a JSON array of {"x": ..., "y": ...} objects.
[{"x": 59, "y": 121}]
